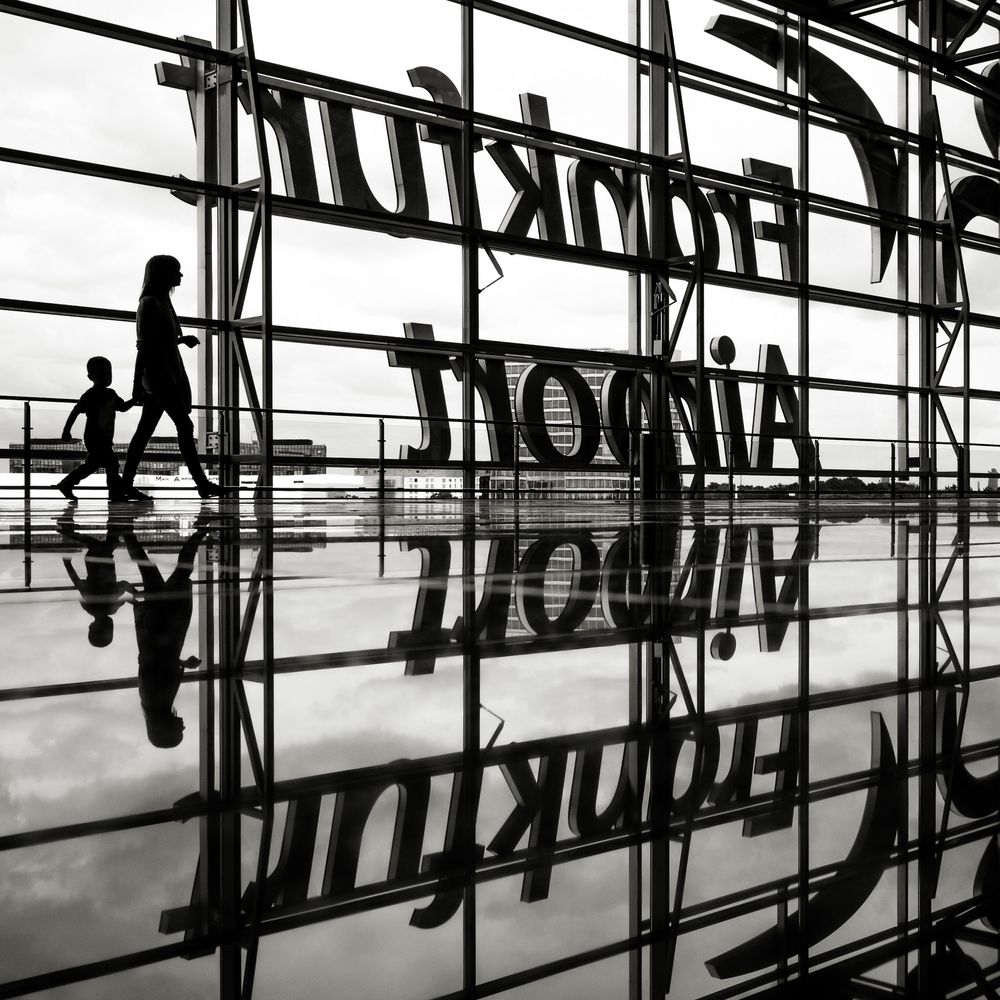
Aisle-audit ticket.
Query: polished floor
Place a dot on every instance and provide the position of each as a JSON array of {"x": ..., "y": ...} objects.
[{"x": 327, "y": 749}]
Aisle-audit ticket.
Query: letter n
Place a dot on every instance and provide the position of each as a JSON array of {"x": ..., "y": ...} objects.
[{"x": 350, "y": 818}]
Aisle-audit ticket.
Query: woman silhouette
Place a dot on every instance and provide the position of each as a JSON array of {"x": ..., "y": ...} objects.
[
  {"x": 160, "y": 382},
  {"x": 162, "y": 612}
]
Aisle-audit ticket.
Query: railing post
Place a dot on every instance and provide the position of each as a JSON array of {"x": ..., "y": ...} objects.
[
  {"x": 728, "y": 440},
  {"x": 381, "y": 498},
  {"x": 27, "y": 494},
  {"x": 517, "y": 473},
  {"x": 816, "y": 451},
  {"x": 892, "y": 465},
  {"x": 381, "y": 460},
  {"x": 27, "y": 451},
  {"x": 633, "y": 463}
]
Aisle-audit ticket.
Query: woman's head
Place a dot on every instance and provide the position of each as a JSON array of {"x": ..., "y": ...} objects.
[
  {"x": 163, "y": 272},
  {"x": 164, "y": 729}
]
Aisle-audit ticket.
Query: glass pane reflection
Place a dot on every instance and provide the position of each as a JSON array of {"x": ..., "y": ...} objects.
[{"x": 481, "y": 754}]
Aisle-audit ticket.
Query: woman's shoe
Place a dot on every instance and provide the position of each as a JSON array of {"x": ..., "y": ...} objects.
[
  {"x": 118, "y": 496},
  {"x": 131, "y": 493},
  {"x": 66, "y": 490},
  {"x": 210, "y": 490}
]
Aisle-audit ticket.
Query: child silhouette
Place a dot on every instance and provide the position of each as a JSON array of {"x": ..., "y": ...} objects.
[
  {"x": 101, "y": 593},
  {"x": 99, "y": 404}
]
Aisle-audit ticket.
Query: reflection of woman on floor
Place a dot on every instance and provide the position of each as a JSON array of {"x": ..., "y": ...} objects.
[
  {"x": 160, "y": 382},
  {"x": 162, "y": 616},
  {"x": 101, "y": 592}
]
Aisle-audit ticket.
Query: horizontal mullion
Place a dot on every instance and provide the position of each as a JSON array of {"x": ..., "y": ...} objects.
[
  {"x": 390, "y": 102},
  {"x": 503, "y": 350},
  {"x": 298, "y": 208},
  {"x": 116, "y": 32},
  {"x": 769, "y": 12},
  {"x": 821, "y": 115},
  {"x": 819, "y": 204},
  {"x": 447, "y": 232},
  {"x": 562, "y": 28},
  {"x": 108, "y": 966},
  {"x": 104, "y": 171},
  {"x": 783, "y": 102},
  {"x": 92, "y": 828},
  {"x": 880, "y": 43}
]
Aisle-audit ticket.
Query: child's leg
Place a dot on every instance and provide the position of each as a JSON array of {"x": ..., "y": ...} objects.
[
  {"x": 65, "y": 486},
  {"x": 116, "y": 488},
  {"x": 101, "y": 449}
]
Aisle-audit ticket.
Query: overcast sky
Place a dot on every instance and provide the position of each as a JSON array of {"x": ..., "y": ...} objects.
[{"x": 77, "y": 240}]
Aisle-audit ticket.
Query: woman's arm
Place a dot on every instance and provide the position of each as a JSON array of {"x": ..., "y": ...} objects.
[{"x": 143, "y": 334}]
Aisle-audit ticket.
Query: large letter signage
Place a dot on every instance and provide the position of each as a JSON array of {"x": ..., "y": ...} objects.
[{"x": 613, "y": 413}]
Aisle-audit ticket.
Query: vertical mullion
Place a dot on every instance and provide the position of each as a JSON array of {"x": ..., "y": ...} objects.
[
  {"x": 228, "y": 263},
  {"x": 805, "y": 447},
  {"x": 636, "y": 340},
  {"x": 903, "y": 259},
  {"x": 470, "y": 655},
  {"x": 229, "y": 881},
  {"x": 928, "y": 255},
  {"x": 470, "y": 257},
  {"x": 902, "y": 555},
  {"x": 806, "y": 459},
  {"x": 207, "y": 170}
]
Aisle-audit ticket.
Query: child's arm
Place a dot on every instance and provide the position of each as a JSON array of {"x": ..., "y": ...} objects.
[
  {"x": 67, "y": 434},
  {"x": 73, "y": 575},
  {"x": 121, "y": 405}
]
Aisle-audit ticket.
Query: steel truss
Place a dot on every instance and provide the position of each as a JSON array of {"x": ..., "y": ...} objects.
[{"x": 215, "y": 77}]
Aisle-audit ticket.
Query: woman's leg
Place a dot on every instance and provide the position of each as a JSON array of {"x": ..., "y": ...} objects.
[
  {"x": 152, "y": 410},
  {"x": 185, "y": 440},
  {"x": 179, "y": 413},
  {"x": 152, "y": 579}
]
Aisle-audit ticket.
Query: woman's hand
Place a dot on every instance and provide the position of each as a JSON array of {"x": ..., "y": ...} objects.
[{"x": 188, "y": 341}]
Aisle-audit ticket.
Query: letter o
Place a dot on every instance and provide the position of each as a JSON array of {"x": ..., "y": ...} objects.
[
  {"x": 529, "y": 588},
  {"x": 529, "y": 404}
]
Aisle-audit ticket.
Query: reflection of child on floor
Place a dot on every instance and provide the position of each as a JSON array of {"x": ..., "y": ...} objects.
[
  {"x": 99, "y": 404},
  {"x": 101, "y": 593}
]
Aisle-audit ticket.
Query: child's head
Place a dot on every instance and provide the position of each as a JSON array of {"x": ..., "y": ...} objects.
[
  {"x": 101, "y": 631},
  {"x": 99, "y": 371}
]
